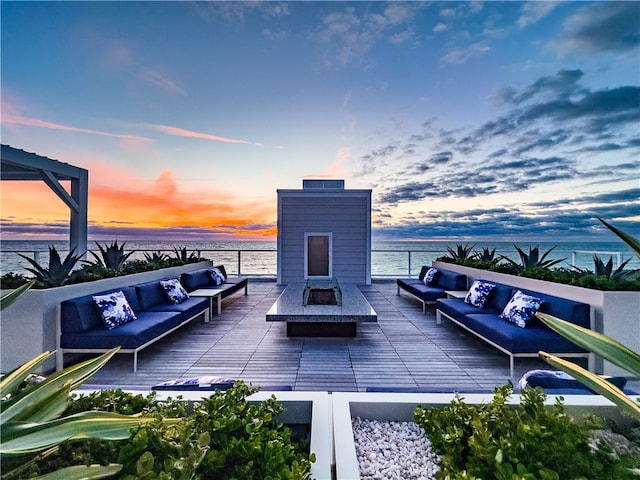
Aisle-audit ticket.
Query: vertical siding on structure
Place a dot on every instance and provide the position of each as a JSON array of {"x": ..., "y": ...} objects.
[{"x": 344, "y": 213}]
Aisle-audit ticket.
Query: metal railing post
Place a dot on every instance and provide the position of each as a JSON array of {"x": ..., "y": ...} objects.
[{"x": 239, "y": 262}]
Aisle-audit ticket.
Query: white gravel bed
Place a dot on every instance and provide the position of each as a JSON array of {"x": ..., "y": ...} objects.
[{"x": 393, "y": 450}]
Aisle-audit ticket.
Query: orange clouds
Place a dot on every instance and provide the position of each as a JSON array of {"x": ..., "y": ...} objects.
[
  {"x": 117, "y": 196},
  {"x": 164, "y": 202}
]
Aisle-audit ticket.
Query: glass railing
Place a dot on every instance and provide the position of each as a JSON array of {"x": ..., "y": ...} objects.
[{"x": 385, "y": 263}]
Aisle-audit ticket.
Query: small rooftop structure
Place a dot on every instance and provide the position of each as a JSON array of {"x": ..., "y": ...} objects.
[
  {"x": 18, "y": 165},
  {"x": 324, "y": 232}
]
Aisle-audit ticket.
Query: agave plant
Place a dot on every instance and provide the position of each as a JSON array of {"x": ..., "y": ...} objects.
[
  {"x": 533, "y": 259},
  {"x": 111, "y": 256},
  {"x": 58, "y": 272},
  {"x": 487, "y": 256},
  {"x": 462, "y": 252},
  {"x": 602, "y": 269},
  {"x": 30, "y": 419},
  {"x": 155, "y": 257},
  {"x": 183, "y": 254}
]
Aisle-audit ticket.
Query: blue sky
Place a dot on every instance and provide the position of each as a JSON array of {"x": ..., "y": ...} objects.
[{"x": 466, "y": 119}]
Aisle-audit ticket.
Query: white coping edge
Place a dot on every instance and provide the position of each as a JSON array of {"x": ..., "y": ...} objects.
[{"x": 400, "y": 407}]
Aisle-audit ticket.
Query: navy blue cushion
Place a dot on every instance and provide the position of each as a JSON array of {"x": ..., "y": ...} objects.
[
  {"x": 81, "y": 314},
  {"x": 519, "y": 340},
  {"x": 457, "y": 308},
  {"x": 151, "y": 294},
  {"x": 570, "y": 310},
  {"x": 188, "y": 308},
  {"x": 499, "y": 297},
  {"x": 448, "y": 280},
  {"x": 129, "y": 335},
  {"x": 197, "y": 279}
]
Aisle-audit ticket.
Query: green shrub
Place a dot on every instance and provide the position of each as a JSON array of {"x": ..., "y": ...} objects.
[
  {"x": 526, "y": 442},
  {"x": 222, "y": 437}
]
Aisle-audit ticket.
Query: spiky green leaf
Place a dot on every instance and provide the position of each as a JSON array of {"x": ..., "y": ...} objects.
[
  {"x": 594, "y": 382},
  {"x": 631, "y": 241},
  {"x": 75, "y": 375},
  {"x": 13, "y": 296},
  {"x": 82, "y": 472},
  {"x": 595, "y": 342},
  {"x": 14, "y": 378},
  {"x": 27, "y": 437}
]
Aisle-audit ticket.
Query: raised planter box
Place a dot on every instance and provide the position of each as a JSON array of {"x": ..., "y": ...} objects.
[
  {"x": 29, "y": 326},
  {"x": 614, "y": 313},
  {"x": 400, "y": 407},
  {"x": 300, "y": 408}
]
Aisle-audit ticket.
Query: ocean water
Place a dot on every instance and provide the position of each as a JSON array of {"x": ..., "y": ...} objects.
[{"x": 388, "y": 258}]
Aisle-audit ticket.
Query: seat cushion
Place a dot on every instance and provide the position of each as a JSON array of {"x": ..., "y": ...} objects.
[
  {"x": 187, "y": 309},
  {"x": 531, "y": 339},
  {"x": 146, "y": 327},
  {"x": 458, "y": 308}
]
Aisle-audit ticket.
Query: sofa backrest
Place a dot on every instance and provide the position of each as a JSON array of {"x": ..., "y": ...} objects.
[
  {"x": 451, "y": 280},
  {"x": 80, "y": 314},
  {"x": 197, "y": 279},
  {"x": 499, "y": 296},
  {"x": 151, "y": 294},
  {"x": 570, "y": 310}
]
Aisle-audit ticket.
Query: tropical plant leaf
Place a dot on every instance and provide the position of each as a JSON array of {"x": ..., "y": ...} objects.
[
  {"x": 595, "y": 342},
  {"x": 27, "y": 437},
  {"x": 75, "y": 374},
  {"x": 14, "y": 378},
  {"x": 82, "y": 472},
  {"x": 631, "y": 241},
  {"x": 594, "y": 382},
  {"x": 47, "y": 407},
  {"x": 13, "y": 296}
]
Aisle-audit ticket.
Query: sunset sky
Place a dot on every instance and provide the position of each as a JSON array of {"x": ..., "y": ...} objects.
[{"x": 466, "y": 119}]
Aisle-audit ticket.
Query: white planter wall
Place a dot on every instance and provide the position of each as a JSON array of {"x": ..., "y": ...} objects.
[
  {"x": 616, "y": 314},
  {"x": 399, "y": 407},
  {"x": 28, "y": 327}
]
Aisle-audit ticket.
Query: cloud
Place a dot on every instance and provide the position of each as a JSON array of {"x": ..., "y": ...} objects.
[
  {"x": 36, "y": 122},
  {"x": 603, "y": 27},
  {"x": 348, "y": 36},
  {"x": 439, "y": 27},
  {"x": 160, "y": 80},
  {"x": 181, "y": 132},
  {"x": 461, "y": 55},
  {"x": 533, "y": 12},
  {"x": 562, "y": 84},
  {"x": 232, "y": 13}
]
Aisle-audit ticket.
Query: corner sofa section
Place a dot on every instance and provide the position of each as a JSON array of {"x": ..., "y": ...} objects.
[
  {"x": 80, "y": 328},
  {"x": 511, "y": 339},
  {"x": 444, "y": 280},
  {"x": 202, "y": 278}
]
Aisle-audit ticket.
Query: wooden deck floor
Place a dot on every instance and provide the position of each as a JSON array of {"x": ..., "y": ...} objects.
[{"x": 406, "y": 348}]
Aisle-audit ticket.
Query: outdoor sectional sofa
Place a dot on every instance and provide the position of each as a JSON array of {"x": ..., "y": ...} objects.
[
  {"x": 202, "y": 278},
  {"x": 510, "y": 338},
  {"x": 429, "y": 292},
  {"x": 81, "y": 328}
]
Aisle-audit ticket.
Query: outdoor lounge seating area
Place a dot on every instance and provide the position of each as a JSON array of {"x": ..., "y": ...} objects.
[
  {"x": 504, "y": 317},
  {"x": 136, "y": 316},
  {"x": 404, "y": 349}
]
